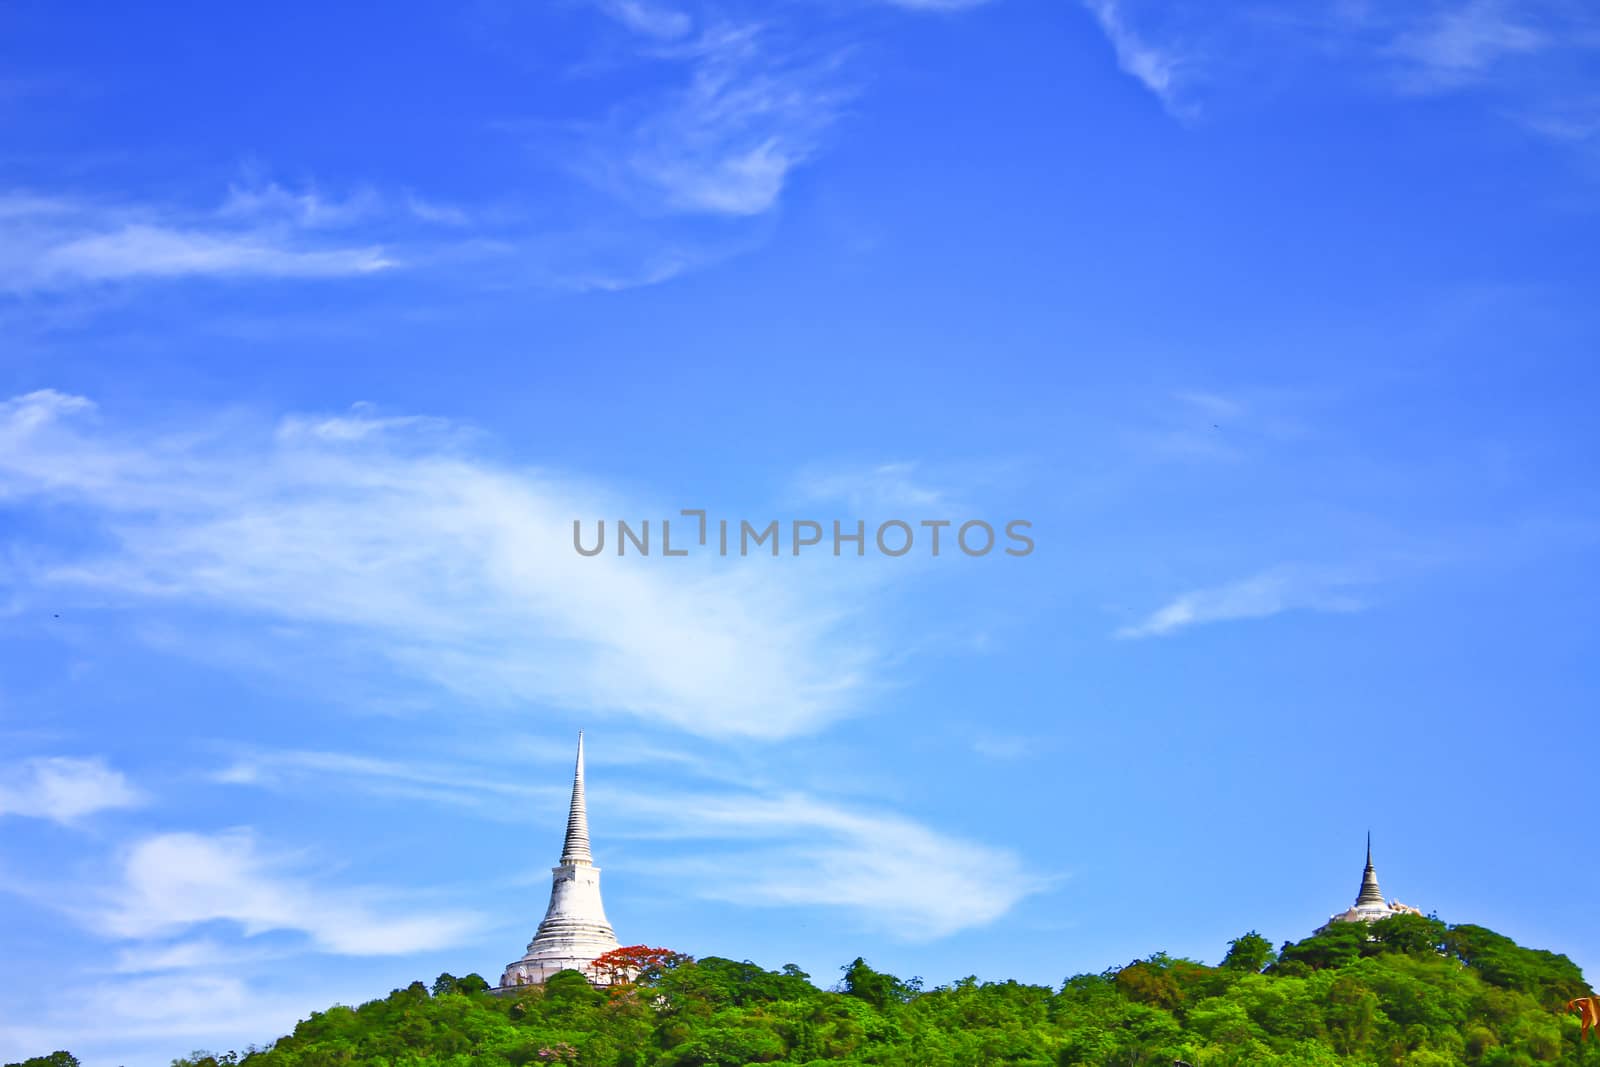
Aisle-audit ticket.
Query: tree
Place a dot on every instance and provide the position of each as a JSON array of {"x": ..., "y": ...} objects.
[
  {"x": 1248, "y": 952},
  {"x": 1411, "y": 934},
  {"x": 1352, "y": 1015},
  {"x": 876, "y": 988},
  {"x": 637, "y": 963},
  {"x": 1337, "y": 946},
  {"x": 55, "y": 1059},
  {"x": 1150, "y": 982},
  {"x": 1548, "y": 976},
  {"x": 1377, "y": 994}
]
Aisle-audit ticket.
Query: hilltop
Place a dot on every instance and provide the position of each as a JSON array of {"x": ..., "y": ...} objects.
[{"x": 1416, "y": 993}]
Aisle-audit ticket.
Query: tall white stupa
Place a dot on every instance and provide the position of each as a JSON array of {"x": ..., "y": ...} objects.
[
  {"x": 575, "y": 930},
  {"x": 1370, "y": 905}
]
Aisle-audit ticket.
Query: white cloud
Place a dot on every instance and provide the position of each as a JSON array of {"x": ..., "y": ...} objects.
[
  {"x": 726, "y": 142},
  {"x": 389, "y": 534},
  {"x": 307, "y": 208},
  {"x": 1459, "y": 45},
  {"x": 773, "y": 847},
  {"x": 938, "y": 5},
  {"x": 1573, "y": 120},
  {"x": 175, "y": 882},
  {"x": 1526, "y": 56},
  {"x": 205, "y": 955},
  {"x": 889, "y": 871},
  {"x": 1269, "y": 593},
  {"x": 139, "y": 1020},
  {"x": 1155, "y": 68},
  {"x": 655, "y": 270},
  {"x": 20, "y": 205},
  {"x": 1208, "y": 426},
  {"x": 877, "y": 489},
  {"x": 266, "y": 231},
  {"x": 63, "y": 789},
  {"x": 152, "y": 251},
  {"x": 441, "y": 784},
  {"x": 1215, "y": 405},
  {"x": 363, "y": 423},
  {"x": 651, "y": 20},
  {"x": 434, "y": 212},
  {"x": 52, "y": 243}
]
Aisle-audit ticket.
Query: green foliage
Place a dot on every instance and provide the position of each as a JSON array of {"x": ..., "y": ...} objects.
[
  {"x": 1249, "y": 952},
  {"x": 55, "y": 1059},
  {"x": 1549, "y": 978},
  {"x": 1414, "y": 934},
  {"x": 1407, "y": 992},
  {"x": 448, "y": 983},
  {"x": 1340, "y": 945},
  {"x": 879, "y": 990}
]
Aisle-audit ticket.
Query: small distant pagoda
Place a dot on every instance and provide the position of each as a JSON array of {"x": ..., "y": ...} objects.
[
  {"x": 1370, "y": 906},
  {"x": 574, "y": 932}
]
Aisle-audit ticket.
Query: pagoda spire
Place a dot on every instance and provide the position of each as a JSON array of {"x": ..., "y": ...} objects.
[
  {"x": 575, "y": 931},
  {"x": 576, "y": 848},
  {"x": 1370, "y": 893}
]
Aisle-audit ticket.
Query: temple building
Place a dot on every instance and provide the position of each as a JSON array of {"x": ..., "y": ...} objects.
[
  {"x": 1370, "y": 906},
  {"x": 574, "y": 931}
]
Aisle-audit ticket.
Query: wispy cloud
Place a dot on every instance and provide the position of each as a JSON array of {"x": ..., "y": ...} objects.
[
  {"x": 1528, "y": 59},
  {"x": 1459, "y": 45},
  {"x": 266, "y": 231},
  {"x": 938, "y": 5},
  {"x": 158, "y": 252},
  {"x": 172, "y": 883},
  {"x": 1220, "y": 426},
  {"x": 1156, "y": 68},
  {"x": 52, "y": 243},
  {"x": 1271, "y": 592},
  {"x": 1575, "y": 119},
  {"x": 888, "y": 871},
  {"x": 773, "y": 847},
  {"x": 137, "y": 1019},
  {"x": 386, "y": 777},
  {"x": 307, "y": 208},
  {"x": 1217, "y": 405},
  {"x": 875, "y": 489},
  {"x": 435, "y": 212},
  {"x": 651, "y": 20},
  {"x": 392, "y": 535},
  {"x": 749, "y": 112},
  {"x": 63, "y": 789},
  {"x": 205, "y": 954}
]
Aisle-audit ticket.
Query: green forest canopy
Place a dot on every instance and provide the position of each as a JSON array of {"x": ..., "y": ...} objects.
[{"x": 1405, "y": 991}]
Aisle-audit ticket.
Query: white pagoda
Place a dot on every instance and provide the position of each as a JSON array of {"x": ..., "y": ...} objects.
[
  {"x": 574, "y": 931},
  {"x": 1370, "y": 905}
]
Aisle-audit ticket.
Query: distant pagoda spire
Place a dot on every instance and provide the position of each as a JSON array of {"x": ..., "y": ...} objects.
[
  {"x": 576, "y": 847},
  {"x": 1370, "y": 893},
  {"x": 1369, "y": 906}
]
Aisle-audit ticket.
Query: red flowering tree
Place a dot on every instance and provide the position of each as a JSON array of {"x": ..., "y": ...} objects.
[{"x": 636, "y": 963}]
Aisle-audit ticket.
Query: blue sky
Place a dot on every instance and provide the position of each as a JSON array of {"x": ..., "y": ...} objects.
[{"x": 317, "y": 330}]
